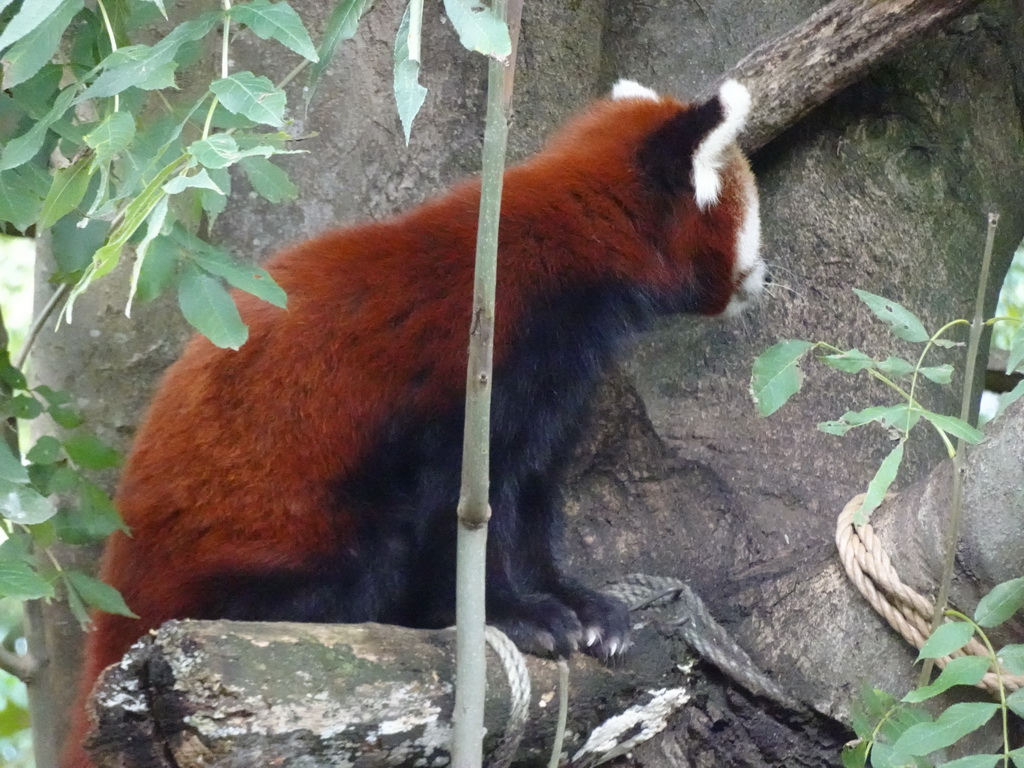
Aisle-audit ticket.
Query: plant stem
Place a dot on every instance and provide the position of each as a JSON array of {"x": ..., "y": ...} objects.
[
  {"x": 474, "y": 508},
  {"x": 113, "y": 43},
  {"x": 956, "y": 493}
]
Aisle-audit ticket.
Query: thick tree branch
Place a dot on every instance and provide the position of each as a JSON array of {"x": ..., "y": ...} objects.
[{"x": 796, "y": 72}]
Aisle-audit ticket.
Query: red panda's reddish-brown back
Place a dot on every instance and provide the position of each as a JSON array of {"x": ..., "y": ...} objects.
[{"x": 312, "y": 475}]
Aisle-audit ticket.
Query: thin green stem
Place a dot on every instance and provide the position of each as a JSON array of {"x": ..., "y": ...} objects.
[
  {"x": 952, "y": 613},
  {"x": 416, "y": 29},
  {"x": 113, "y": 43}
]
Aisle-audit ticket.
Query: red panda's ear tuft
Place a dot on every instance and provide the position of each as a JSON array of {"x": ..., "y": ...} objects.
[{"x": 689, "y": 150}]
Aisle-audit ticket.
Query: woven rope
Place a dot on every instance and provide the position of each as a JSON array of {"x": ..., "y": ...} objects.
[
  {"x": 907, "y": 611},
  {"x": 519, "y": 697}
]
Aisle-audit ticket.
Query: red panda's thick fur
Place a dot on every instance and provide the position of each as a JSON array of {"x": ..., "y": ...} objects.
[{"x": 312, "y": 475}]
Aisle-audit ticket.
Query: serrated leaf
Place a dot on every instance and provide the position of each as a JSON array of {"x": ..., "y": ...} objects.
[
  {"x": 157, "y": 270},
  {"x": 221, "y": 150},
  {"x": 277, "y": 21},
  {"x": 902, "y": 321},
  {"x": 948, "y": 637},
  {"x": 269, "y": 181},
  {"x": 940, "y": 374},
  {"x": 22, "y": 505},
  {"x": 253, "y": 96},
  {"x": 69, "y": 187},
  {"x": 246, "y": 277},
  {"x": 341, "y": 26},
  {"x": 30, "y": 16},
  {"x": 879, "y": 484},
  {"x": 158, "y": 77},
  {"x": 1002, "y": 601},
  {"x": 895, "y": 367},
  {"x": 209, "y": 309},
  {"x": 112, "y": 136},
  {"x": 47, "y": 450},
  {"x": 20, "y": 582},
  {"x": 89, "y": 452},
  {"x": 11, "y": 467},
  {"x": 409, "y": 94},
  {"x": 973, "y": 761},
  {"x": 956, "y": 427},
  {"x": 851, "y": 361},
  {"x": 963, "y": 670},
  {"x": 949, "y": 727},
  {"x": 480, "y": 28},
  {"x": 20, "y": 150},
  {"x": 776, "y": 375},
  {"x": 97, "y": 594},
  {"x": 32, "y": 52},
  {"x": 200, "y": 180},
  {"x": 129, "y": 74},
  {"x": 93, "y": 520}
]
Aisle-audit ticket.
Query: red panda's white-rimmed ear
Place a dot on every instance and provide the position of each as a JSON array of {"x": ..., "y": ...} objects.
[
  {"x": 630, "y": 89},
  {"x": 734, "y": 103}
]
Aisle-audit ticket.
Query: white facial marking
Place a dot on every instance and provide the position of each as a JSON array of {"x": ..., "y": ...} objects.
[
  {"x": 630, "y": 89},
  {"x": 748, "y": 257},
  {"x": 710, "y": 154}
]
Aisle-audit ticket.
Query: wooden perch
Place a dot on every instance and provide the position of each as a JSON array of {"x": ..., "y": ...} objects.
[
  {"x": 794, "y": 73},
  {"x": 260, "y": 694}
]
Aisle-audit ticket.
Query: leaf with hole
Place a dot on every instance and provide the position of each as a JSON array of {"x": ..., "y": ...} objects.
[
  {"x": 900, "y": 320},
  {"x": 776, "y": 375}
]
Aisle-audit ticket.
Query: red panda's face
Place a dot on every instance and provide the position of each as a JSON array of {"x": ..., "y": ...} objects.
[{"x": 693, "y": 157}]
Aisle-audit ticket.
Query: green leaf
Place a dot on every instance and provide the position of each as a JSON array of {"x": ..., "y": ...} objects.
[
  {"x": 22, "y": 407},
  {"x": 480, "y": 29},
  {"x": 851, "y": 361},
  {"x": 973, "y": 761},
  {"x": 35, "y": 49},
  {"x": 21, "y": 504},
  {"x": 154, "y": 226},
  {"x": 949, "y": 727},
  {"x": 133, "y": 73},
  {"x": 112, "y": 136},
  {"x": 963, "y": 670},
  {"x": 89, "y": 452},
  {"x": 10, "y": 375},
  {"x": 948, "y": 637},
  {"x": 93, "y": 520},
  {"x": 899, "y": 416},
  {"x": 896, "y": 367},
  {"x": 208, "y": 307},
  {"x": 22, "y": 149},
  {"x": 253, "y": 96},
  {"x": 776, "y": 376},
  {"x": 200, "y": 180},
  {"x": 1018, "y": 757},
  {"x": 18, "y": 204},
  {"x": 879, "y": 484},
  {"x": 1012, "y": 657},
  {"x": 1016, "y": 350},
  {"x": 69, "y": 187},
  {"x": 277, "y": 21},
  {"x": 1002, "y": 601},
  {"x": 940, "y": 374},
  {"x": 341, "y": 26},
  {"x": 157, "y": 270},
  {"x": 269, "y": 181},
  {"x": 247, "y": 277},
  {"x": 1015, "y": 702},
  {"x": 97, "y": 594},
  {"x": 956, "y": 427},
  {"x": 11, "y": 467},
  {"x": 27, "y": 18},
  {"x": 19, "y": 581},
  {"x": 409, "y": 94},
  {"x": 221, "y": 150},
  {"x": 835, "y": 427},
  {"x": 856, "y": 755},
  {"x": 47, "y": 450},
  {"x": 900, "y": 320},
  {"x": 159, "y": 77},
  {"x": 1005, "y": 400}
]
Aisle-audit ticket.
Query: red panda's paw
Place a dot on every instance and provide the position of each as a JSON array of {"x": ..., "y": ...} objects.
[
  {"x": 604, "y": 620},
  {"x": 539, "y": 625}
]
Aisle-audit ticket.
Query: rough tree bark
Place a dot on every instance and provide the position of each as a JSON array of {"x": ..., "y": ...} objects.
[{"x": 883, "y": 187}]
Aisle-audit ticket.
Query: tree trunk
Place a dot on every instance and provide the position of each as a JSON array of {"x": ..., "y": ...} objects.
[{"x": 884, "y": 187}]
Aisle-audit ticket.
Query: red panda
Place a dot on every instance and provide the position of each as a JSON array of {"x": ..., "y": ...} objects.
[{"x": 313, "y": 475}]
